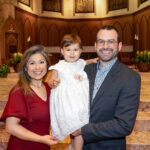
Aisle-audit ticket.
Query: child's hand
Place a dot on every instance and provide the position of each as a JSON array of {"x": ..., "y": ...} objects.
[
  {"x": 77, "y": 133},
  {"x": 53, "y": 83},
  {"x": 78, "y": 77}
]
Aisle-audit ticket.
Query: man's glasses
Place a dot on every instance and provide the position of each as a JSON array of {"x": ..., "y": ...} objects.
[{"x": 103, "y": 42}]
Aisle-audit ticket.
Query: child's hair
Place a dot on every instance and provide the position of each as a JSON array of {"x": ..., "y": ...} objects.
[{"x": 70, "y": 39}]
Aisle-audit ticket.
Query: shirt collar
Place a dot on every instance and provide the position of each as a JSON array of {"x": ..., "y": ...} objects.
[{"x": 108, "y": 66}]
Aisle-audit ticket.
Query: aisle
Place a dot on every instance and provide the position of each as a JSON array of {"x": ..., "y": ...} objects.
[
  {"x": 5, "y": 85},
  {"x": 140, "y": 137}
]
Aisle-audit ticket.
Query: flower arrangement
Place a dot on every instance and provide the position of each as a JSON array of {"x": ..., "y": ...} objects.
[
  {"x": 17, "y": 57},
  {"x": 142, "y": 56},
  {"x": 142, "y": 59},
  {"x": 15, "y": 60},
  {"x": 4, "y": 70}
]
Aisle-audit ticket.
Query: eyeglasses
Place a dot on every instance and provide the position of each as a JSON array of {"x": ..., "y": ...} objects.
[{"x": 102, "y": 42}]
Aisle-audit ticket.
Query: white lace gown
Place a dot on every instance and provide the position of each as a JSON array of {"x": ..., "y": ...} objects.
[{"x": 69, "y": 102}]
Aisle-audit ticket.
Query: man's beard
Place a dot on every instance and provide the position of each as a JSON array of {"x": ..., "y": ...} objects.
[{"x": 114, "y": 54}]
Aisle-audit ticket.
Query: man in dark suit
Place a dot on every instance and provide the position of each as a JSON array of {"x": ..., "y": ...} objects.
[{"x": 114, "y": 96}]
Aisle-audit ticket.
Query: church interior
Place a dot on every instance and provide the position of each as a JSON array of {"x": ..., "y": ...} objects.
[{"x": 24, "y": 23}]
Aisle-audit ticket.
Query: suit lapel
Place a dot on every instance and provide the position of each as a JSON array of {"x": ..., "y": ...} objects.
[
  {"x": 107, "y": 81},
  {"x": 92, "y": 81}
]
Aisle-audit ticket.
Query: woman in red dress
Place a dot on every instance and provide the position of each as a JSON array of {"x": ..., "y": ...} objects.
[{"x": 27, "y": 111}]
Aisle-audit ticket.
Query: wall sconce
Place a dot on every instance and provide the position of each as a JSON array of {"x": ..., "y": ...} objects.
[
  {"x": 29, "y": 39},
  {"x": 136, "y": 37}
]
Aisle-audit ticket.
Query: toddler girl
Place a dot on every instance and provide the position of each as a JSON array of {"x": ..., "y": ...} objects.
[{"x": 69, "y": 107}]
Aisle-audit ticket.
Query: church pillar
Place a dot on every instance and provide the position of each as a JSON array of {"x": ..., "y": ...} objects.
[{"x": 7, "y": 9}]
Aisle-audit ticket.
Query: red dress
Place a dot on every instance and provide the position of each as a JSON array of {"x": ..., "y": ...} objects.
[{"x": 34, "y": 115}]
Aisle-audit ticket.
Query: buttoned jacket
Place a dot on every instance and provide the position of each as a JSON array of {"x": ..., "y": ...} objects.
[{"x": 114, "y": 109}]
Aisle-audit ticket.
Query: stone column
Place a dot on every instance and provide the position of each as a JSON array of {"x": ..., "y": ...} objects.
[
  {"x": 1, "y": 23},
  {"x": 7, "y": 9}
]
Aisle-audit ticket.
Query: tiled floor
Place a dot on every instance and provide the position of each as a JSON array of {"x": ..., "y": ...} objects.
[
  {"x": 140, "y": 137},
  {"x": 138, "y": 140}
]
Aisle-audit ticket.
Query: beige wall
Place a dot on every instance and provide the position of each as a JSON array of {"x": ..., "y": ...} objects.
[
  {"x": 68, "y": 9},
  {"x": 42, "y": 27}
]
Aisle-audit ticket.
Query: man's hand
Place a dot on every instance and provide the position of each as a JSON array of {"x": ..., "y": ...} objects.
[
  {"x": 90, "y": 61},
  {"x": 77, "y": 133}
]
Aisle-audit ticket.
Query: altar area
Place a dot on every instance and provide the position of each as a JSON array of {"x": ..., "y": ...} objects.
[{"x": 138, "y": 140}]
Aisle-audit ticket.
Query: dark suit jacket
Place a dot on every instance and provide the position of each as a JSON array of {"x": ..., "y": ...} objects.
[{"x": 114, "y": 108}]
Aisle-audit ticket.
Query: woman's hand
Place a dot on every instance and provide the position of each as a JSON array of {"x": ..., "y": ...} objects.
[
  {"x": 14, "y": 128},
  {"x": 49, "y": 140}
]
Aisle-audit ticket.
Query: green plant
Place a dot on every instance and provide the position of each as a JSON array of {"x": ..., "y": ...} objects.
[
  {"x": 142, "y": 60},
  {"x": 17, "y": 57},
  {"x": 4, "y": 70},
  {"x": 15, "y": 60},
  {"x": 149, "y": 56},
  {"x": 142, "y": 57}
]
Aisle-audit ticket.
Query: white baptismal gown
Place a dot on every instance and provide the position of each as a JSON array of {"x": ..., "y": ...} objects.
[{"x": 69, "y": 102}]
